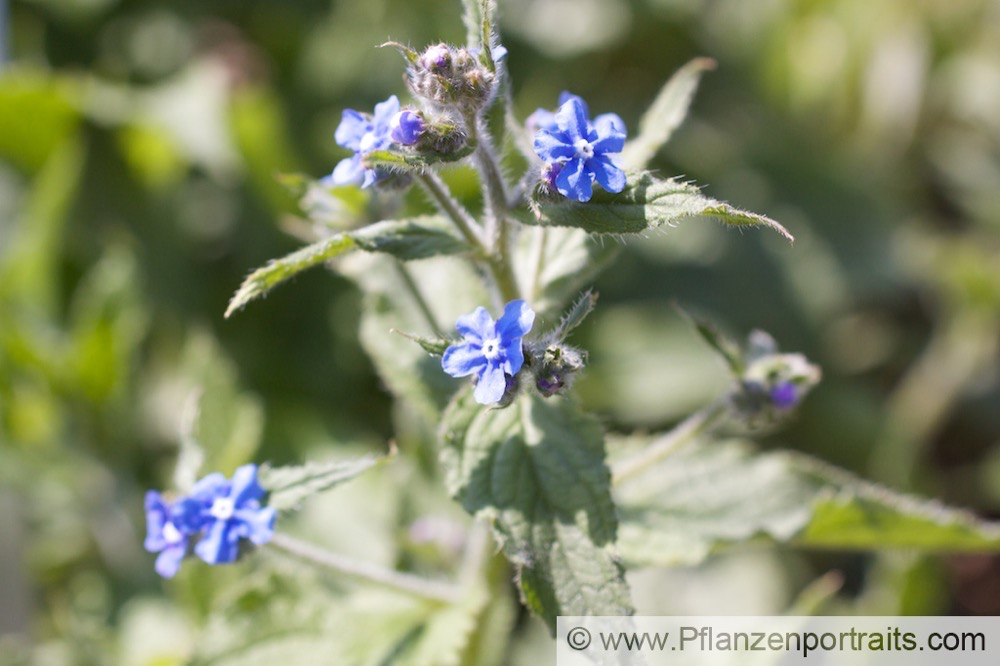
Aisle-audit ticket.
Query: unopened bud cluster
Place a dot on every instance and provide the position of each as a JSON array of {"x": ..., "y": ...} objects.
[
  {"x": 772, "y": 383},
  {"x": 452, "y": 78}
]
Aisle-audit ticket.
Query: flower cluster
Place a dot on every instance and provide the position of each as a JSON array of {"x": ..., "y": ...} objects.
[
  {"x": 218, "y": 510},
  {"x": 491, "y": 350},
  {"x": 772, "y": 383},
  {"x": 577, "y": 151}
]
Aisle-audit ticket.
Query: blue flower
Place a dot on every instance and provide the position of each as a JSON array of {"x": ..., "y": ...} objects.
[
  {"x": 229, "y": 511},
  {"x": 406, "y": 127},
  {"x": 362, "y": 134},
  {"x": 491, "y": 349},
  {"x": 220, "y": 511},
  {"x": 584, "y": 149},
  {"x": 165, "y": 534}
]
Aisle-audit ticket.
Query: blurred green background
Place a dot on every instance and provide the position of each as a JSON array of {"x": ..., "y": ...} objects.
[{"x": 138, "y": 145}]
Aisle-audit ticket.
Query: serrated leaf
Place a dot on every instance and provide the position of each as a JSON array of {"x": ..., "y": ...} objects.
[
  {"x": 665, "y": 115},
  {"x": 415, "y": 238},
  {"x": 714, "y": 494},
  {"x": 536, "y": 471},
  {"x": 646, "y": 202},
  {"x": 289, "y": 485}
]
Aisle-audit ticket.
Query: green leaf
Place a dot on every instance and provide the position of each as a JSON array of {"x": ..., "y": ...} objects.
[
  {"x": 399, "y": 162},
  {"x": 646, "y": 203},
  {"x": 424, "y": 297},
  {"x": 291, "y": 484},
  {"x": 433, "y": 346},
  {"x": 536, "y": 471},
  {"x": 714, "y": 494},
  {"x": 561, "y": 262},
  {"x": 414, "y": 238},
  {"x": 665, "y": 115}
]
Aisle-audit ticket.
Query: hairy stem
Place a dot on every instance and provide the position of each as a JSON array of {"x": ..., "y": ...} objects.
[
  {"x": 463, "y": 221},
  {"x": 443, "y": 592},
  {"x": 495, "y": 196},
  {"x": 685, "y": 431}
]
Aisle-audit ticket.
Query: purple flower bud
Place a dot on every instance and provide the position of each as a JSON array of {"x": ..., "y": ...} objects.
[
  {"x": 406, "y": 127},
  {"x": 784, "y": 396},
  {"x": 436, "y": 57}
]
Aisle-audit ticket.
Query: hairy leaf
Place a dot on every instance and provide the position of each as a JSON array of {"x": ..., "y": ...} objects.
[
  {"x": 717, "y": 493},
  {"x": 646, "y": 203},
  {"x": 536, "y": 471},
  {"x": 415, "y": 238},
  {"x": 559, "y": 263},
  {"x": 666, "y": 114},
  {"x": 291, "y": 484}
]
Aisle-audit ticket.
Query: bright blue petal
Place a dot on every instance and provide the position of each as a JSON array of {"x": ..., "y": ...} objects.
[
  {"x": 352, "y": 128},
  {"x": 515, "y": 356},
  {"x": 349, "y": 171},
  {"x": 463, "y": 360},
  {"x": 491, "y": 386},
  {"x": 609, "y": 144},
  {"x": 572, "y": 119},
  {"x": 156, "y": 518},
  {"x": 607, "y": 173},
  {"x": 384, "y": 112},
  {"x": 259, "y": 524},
  {"x": 552, "y": 145},
  {"x": 608, "y": 124},
  {"x": 574, "y": 181},
  {"x": 213, "y": 485},
  {"x": 220, "y": 544},
  {"x": 245, "y": 486},
  {"x": 169, "y": 560},
  {"x": 566, "y": 96},
  {"x": 516, "y": 320},
  {"x": 477, "y": 325}
]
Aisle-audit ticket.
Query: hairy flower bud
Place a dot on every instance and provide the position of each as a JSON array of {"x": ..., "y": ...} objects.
[
  {"x": 452, "y": 78},
  {"x": 556, "y": 369}
]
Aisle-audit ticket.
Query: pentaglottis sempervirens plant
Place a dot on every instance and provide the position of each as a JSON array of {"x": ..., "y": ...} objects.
[{"x": 467, "y": 317}]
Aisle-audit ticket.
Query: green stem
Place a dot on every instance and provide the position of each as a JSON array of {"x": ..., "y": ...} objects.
[
  {"x": 418, "y": 298},
  {"x": 463, "y": 221},
  {"x": 685, "y": 431},
  {"x": 439, "y": 591},
  {"x": 495, "y": 196}
]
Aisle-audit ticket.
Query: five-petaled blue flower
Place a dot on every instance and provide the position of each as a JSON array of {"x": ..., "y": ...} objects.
[
  {"x": 584, "y": 150},
  {"x": 363, "y": 134},
  {"x": 218, "y": 510},
  {"x": 491, "y": 349}
]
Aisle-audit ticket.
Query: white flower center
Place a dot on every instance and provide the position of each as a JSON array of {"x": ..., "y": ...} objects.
[
  {"x": 584, "y": 149},
  {"x": 491, "y": 348},
  {"x": 170, "y": 533},
  {"x": 222, "y": 508}
]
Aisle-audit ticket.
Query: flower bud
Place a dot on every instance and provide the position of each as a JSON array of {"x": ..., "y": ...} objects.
[
  {"x": 452, "y": 78},
  {"x": 406, "y": 127},
  {"x": 556, "y": 369}
]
